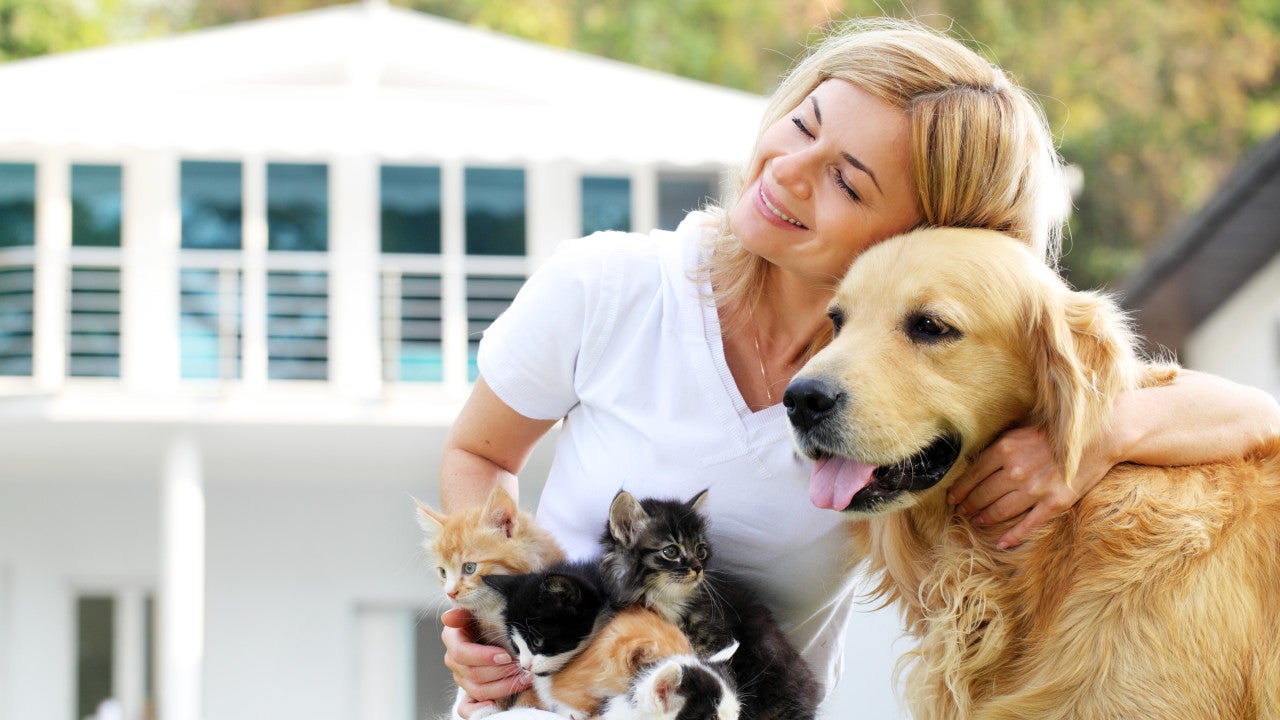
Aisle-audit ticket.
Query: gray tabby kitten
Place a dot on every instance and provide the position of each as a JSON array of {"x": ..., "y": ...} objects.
[{"x": 656, "y": 554}]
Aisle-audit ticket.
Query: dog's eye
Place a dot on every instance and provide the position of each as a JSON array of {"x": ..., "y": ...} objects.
[
  {"x": 927, "y": 328},
  {"x": 837, "y": 319}
]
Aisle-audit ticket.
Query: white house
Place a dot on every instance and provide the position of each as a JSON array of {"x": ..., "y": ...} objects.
[
  {"x": 242, "y": 276},
  {"x": 1211, "y": 293}
]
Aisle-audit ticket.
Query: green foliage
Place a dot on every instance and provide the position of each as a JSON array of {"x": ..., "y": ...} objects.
[
  {"x": 1154, "y": 102},
  {"x": 37, "y": 27}
]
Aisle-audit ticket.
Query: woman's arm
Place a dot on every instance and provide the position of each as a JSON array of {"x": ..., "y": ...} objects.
[
  {"x": 1198, "y": 418},
  {"x": 488, "y": 444}
]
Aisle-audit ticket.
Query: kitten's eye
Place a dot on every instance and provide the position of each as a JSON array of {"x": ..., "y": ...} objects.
[
  {"x": 468, "y": 568},
  {"x": 536, "y": 642},
  {"x": 701, "y": 551},
  {"x": 443, "y": 574},
  {"x": 671, "y": 552}
]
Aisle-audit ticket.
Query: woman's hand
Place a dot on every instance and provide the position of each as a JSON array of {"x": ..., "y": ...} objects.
[
  {"x": 1017, "y": 475},
  {"x": 484, "y": 673}
]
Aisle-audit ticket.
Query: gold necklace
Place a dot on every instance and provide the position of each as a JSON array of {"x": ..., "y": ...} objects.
[{"x": 755, "y": 336}]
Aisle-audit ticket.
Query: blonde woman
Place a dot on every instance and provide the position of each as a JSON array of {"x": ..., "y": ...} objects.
[{"x": 666, "y": 354}]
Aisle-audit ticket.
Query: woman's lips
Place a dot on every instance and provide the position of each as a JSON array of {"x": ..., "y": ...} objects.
[{"x": 774, "y": 211}]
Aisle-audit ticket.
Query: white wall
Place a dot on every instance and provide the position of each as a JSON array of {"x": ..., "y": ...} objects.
[{"x": 1241, "y": 341}]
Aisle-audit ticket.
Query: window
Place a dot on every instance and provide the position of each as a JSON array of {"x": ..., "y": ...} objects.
[
  {"x": 297, "y": 207},
  {"x": 400, "y": 674},
  {"x": 495, "y": 208},
  {"x": 95, "y": 646},
  {"x": 17, "y": 293},
  {"x": 606, "y": 204},
  {"x": 211, "y": 325},
  {"x": 17, "y": 205},
  {"x": 297, "y": 325},
  {"x": 487, "y": 297},
  {"x": 410, "y": 201},
  {"x": 17, "y": 277},
  {"x": 115, "y": 640},
  {"x": 680, "y": 193},
  {"x": 212, "y": 208},
  {"x": 297, "y": 300},
  {"x": 95, "y": 205},
  {"x": 411, "y": 311},
  {"x": 212, "y": 218},
  {"x": 94, "y": 347}
]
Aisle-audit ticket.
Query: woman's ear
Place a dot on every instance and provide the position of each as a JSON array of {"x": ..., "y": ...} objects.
[{"x": 1083, "y": 357}]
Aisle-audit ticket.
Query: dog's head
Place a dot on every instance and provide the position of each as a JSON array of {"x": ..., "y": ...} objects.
[{"x": 944, "y": 339}]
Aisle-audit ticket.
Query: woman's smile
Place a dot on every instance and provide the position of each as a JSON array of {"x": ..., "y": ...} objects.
[{"x": 774, "y": 210}]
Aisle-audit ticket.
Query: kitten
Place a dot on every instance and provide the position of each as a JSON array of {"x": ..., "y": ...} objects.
[
  {"x": 656, "y": 554},
  {"x": 551, "y": 616},
  {"x": 497, "y": 538},
  {"x": 634, "y": 638},
  {"x": 678, "y": 688}
]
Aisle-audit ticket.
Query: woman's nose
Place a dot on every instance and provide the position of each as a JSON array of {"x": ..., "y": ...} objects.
[{"x": 794, "y": 171}]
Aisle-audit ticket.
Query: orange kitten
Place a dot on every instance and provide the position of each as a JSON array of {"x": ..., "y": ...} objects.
[
  {"x": 633, "y": 639},
  {"x": 496, "y": 539}
]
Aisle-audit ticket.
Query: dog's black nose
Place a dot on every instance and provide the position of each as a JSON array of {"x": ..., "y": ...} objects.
[{"x": 809, "y": 400}]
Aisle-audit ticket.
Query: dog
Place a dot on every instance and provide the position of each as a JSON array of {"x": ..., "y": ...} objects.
[{"x": 1156, "y": 596}]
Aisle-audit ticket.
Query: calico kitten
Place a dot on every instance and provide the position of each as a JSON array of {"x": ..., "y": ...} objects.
[
  {"x": 550, "y": 617},
  {"x": 497, "y": 538},
  {"x": 678, "y": 688},
  {"x": 656, "y": 554},
  {"x": 633, "y": 639}
]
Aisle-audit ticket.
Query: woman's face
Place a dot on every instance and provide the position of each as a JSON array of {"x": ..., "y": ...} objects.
[{"x": 829, "y": 179}]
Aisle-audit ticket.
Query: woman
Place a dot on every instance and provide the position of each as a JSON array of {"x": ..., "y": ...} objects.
[{"x": 666, "y": 354}]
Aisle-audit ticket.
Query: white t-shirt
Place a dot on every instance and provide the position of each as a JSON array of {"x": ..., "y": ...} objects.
[{"x": 614, "y": 335}]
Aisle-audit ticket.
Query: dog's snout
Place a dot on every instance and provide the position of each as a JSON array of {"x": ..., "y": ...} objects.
[{"x": 809, "y": 400}]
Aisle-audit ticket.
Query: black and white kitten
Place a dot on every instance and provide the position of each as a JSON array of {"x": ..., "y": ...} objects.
[
  {"x": 656, "y": 553},
  {"x": 551, "y": 616},
  {"x": 678, "y": 688}
]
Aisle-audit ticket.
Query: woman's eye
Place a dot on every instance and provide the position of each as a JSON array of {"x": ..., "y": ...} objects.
[
  {"x": 469, "y": 568},
  {"x": 671, "y": 552},
  {"x": 837, "y": 320},
  {"x": 845, "y": 187},
  {"x": 804, "y": 129}
]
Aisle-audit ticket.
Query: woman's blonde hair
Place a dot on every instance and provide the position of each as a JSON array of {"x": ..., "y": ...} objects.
[{"x": 982, "y": 154}]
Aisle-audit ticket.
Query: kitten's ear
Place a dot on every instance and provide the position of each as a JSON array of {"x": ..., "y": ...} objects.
[
  {"x": 626, "y": 518},
  {"x": 500, "y": 510},
  {"x": 429, "y": 519},
  {"x": 643, "y": 654},
  {"x": 504, "y": 584},
  {"x": 724, "y": 655},
  {"x": 698, "y": 500},
  {"x": 562, "y": 588},
  {"x": 665, "y": 683}
]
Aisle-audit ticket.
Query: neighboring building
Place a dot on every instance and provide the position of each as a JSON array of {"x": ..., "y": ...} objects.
[
  {"x": 1211, "y": 294},
  {"x": 243, "y": 273}
]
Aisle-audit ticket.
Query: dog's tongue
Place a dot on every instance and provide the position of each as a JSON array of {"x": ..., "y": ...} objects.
[{"x": 836, "y": 480}]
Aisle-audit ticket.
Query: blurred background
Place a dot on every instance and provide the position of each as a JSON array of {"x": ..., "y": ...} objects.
[{"x": 248, "y": 247}]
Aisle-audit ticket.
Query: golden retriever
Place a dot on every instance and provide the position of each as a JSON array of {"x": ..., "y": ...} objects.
[{"x": 1156, "y": 596}]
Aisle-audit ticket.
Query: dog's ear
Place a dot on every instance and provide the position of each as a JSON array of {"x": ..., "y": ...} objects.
[{"x": 1084, "y": 357}]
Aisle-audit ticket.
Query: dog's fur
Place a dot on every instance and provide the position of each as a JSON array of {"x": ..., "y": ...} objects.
[{"x": 1156, "y": 596}]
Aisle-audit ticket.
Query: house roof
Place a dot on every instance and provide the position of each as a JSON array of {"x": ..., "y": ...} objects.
[
  {"x": 1212, "y": 255},
  {"x": 371, "y": 78}
]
